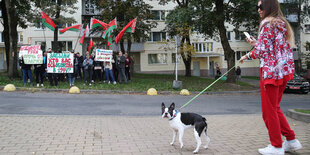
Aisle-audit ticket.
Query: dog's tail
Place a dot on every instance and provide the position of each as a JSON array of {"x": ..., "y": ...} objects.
[{"x": 204, "y": 119}]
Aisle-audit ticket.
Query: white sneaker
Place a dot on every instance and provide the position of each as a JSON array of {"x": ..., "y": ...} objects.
[
  {"x": 271, "y": 150},
  {"x": 89, "y": 84},
  {"x": 292, "y": 145},
  {"x": 109, "y": 82},
  {"x": 42, "y": 85},
  {"x": 114, "y": 82},
  {"x": 38, "y": 85}
]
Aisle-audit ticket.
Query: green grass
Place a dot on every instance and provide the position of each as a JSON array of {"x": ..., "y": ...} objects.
[
  {"x": 251, "y": 77},
  {"x": 142, "y": 82},
  {"x": 303, "y": 111}
]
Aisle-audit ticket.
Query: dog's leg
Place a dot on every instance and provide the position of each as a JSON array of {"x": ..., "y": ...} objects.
[
  {"x": 173, "y": 137},
  {"x": 207, "y": 139},
  {"x": 181, "y": 132},
  {"x": 198, "y": 139}
]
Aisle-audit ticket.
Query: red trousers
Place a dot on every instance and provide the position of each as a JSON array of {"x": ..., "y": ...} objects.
[{"x": 274, "y": 119}]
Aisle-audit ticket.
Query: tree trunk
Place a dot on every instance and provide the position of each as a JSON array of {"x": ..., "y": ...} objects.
[
  {"x": 128, "y": 46},
  {"x": 12, "y": 35},
  {"x": 186, "y": 57},
  {"x": 6, "y": 33},
  {"x": 56, "y": 48},
  {"x": 122, "y": 46},
  {"x": 228, "y": 52}
]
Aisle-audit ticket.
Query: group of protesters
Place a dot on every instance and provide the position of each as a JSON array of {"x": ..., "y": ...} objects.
[{"x": 85, "y": 67}]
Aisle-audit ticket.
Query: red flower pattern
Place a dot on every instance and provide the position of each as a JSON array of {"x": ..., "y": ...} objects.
[{"x": 272, "y": 48}]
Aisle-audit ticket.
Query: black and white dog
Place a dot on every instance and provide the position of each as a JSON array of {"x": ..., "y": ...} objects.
[{"x": 181, "y": 121}]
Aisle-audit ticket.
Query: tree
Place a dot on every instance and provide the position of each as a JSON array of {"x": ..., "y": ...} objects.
[
  {"x": 301, "y": 10},
  {"x": 211, "y": 18},
  {"x": 125, "y": 11},
  {"x": 14, "y": 13},
  {"x": 55, "y": 9},
  {"x": 180, "y": 21}
]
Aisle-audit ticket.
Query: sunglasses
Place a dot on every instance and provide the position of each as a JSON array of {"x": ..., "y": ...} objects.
[{"x": 259, "y": 7}]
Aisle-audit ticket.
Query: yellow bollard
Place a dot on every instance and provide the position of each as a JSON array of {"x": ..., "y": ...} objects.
[
  {"x": 152, "y": 91},
  {"x": 9, "y": 87},
  {"x": 184, "y": 92},
  {"x": 74, "y": 90}
]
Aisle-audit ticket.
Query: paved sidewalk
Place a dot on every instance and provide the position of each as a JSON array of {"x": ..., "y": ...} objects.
[{"x": 230, "y": 134}]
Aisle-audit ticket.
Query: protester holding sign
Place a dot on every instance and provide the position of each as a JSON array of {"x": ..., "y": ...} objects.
[
  {"x": 97, "y": 70},
  {"x": 108, "y": 71},
  {"x": 52, "y": 77},
  {"x": 40, "y": 71},
  {"x": 26, "y": 69},
  {"x": 71, "y": 76},
  {"x": 88, "y": 70}
]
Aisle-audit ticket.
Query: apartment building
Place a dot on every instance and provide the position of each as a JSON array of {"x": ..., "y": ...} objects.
[{"x": 153, "y": 56}]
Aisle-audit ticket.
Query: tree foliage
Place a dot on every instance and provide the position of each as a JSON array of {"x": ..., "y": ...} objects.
[{"x": 125, "y": 11}]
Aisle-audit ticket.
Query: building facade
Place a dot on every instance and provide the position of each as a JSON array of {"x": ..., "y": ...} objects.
[{"x": 157, "y": 54}]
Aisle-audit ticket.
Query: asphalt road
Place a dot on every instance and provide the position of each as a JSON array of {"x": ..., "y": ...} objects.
[{"x": 136, "y": 105}]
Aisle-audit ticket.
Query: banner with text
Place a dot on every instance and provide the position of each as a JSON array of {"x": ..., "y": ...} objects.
[
  {"x": 103, "y": 55},
  {"x": 31, "y": 54},
  {"x": 59, "y": 63}
]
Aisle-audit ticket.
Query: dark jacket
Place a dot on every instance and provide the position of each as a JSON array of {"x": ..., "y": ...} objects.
[
  {"x": 23, "y": 65},
  {"x": 238, "y": 71},
  {"x": 122, "y": 62}
]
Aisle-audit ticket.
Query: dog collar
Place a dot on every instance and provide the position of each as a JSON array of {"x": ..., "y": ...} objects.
[{"x": 175, "y": 115}]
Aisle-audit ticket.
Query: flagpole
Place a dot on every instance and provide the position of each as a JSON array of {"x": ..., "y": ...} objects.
[
  {"x": 77, "y": 39},
  {"x": 44, "y": 38}
]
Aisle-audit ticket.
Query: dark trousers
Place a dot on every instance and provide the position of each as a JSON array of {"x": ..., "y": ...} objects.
[
  {"x": 88, "y": 75},
  {"x": 97, "y": 75},
  {"x": 127, "y": 72},
  {"x": 115, "y": 73},
  {"x": 122, "y": 75},
  {"x": 40, "y": 75},
  {"x": 53, "y": 78}
]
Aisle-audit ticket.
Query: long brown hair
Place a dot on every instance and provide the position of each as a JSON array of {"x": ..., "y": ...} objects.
[{"x": 271, "y": 8}]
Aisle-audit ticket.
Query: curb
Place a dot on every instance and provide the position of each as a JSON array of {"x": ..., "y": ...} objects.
[
  {"x": 92, "y": 91},
  {"x": 298, "y": 116}
]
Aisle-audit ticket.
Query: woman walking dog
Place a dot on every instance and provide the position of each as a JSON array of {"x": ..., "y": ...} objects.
[{"x": 273, "y": 48}]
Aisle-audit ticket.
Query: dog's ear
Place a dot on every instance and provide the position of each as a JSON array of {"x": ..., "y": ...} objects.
[
  {"x": 172, "y": 106},
  {"x": 163, "y": 105}
]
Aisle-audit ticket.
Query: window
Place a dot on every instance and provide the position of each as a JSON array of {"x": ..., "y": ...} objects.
[
  {"x": 42, "y": 43},
  {"x": 158, "y": 14},
  {"x": 239, "y": 36},
  {"x": 308, "y": 46},
  {"x": 228, "y": 34},
  {"x": 239, "y": 54},
  {"x": 203, "y": 47},
  {"x": 63, "y": 45},
  {"x": 157, "y": 58},
  {"x": 307, "y": 28},
  {"x": 90, "y": 8},
  {"x": 173, "y": 58},
  {"x": 157, "y": 36},
  {"x": 20, "y": 37},
  {"x": 60, "y": 26}
]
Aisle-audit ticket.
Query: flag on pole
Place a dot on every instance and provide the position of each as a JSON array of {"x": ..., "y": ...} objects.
[
  {"x": 130, "y": 27},
  {"x": 47, "y": 21},
  {"x": 83, "y": 36},
  {"x": 97, "y": 23},
  {"x": 112, "y": 25},
  {"x": 90, "y": 46},
  {"x": 75, "y": 28}
]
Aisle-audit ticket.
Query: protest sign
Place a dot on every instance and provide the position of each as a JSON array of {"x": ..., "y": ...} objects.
[
  {"x": 59, "y": 63},
  {"x": 103, "y": 55},
  {"x": 31, "y": 54}
]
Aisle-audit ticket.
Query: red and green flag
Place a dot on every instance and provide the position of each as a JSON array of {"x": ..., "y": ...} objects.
[
  {"x": 83, "y": 36},
  {"x": 130, "y": 27},
  {"x": 47, "y": 21},
  {"x": 97, "y": 23},
  {"x": 112, "y": 25},
  {"x": 90, "y": 46},
  {"x": 75, "y": 28}
]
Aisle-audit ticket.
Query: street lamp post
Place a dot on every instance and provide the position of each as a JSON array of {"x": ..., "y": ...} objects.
[{"x": 176, "y": 84}]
